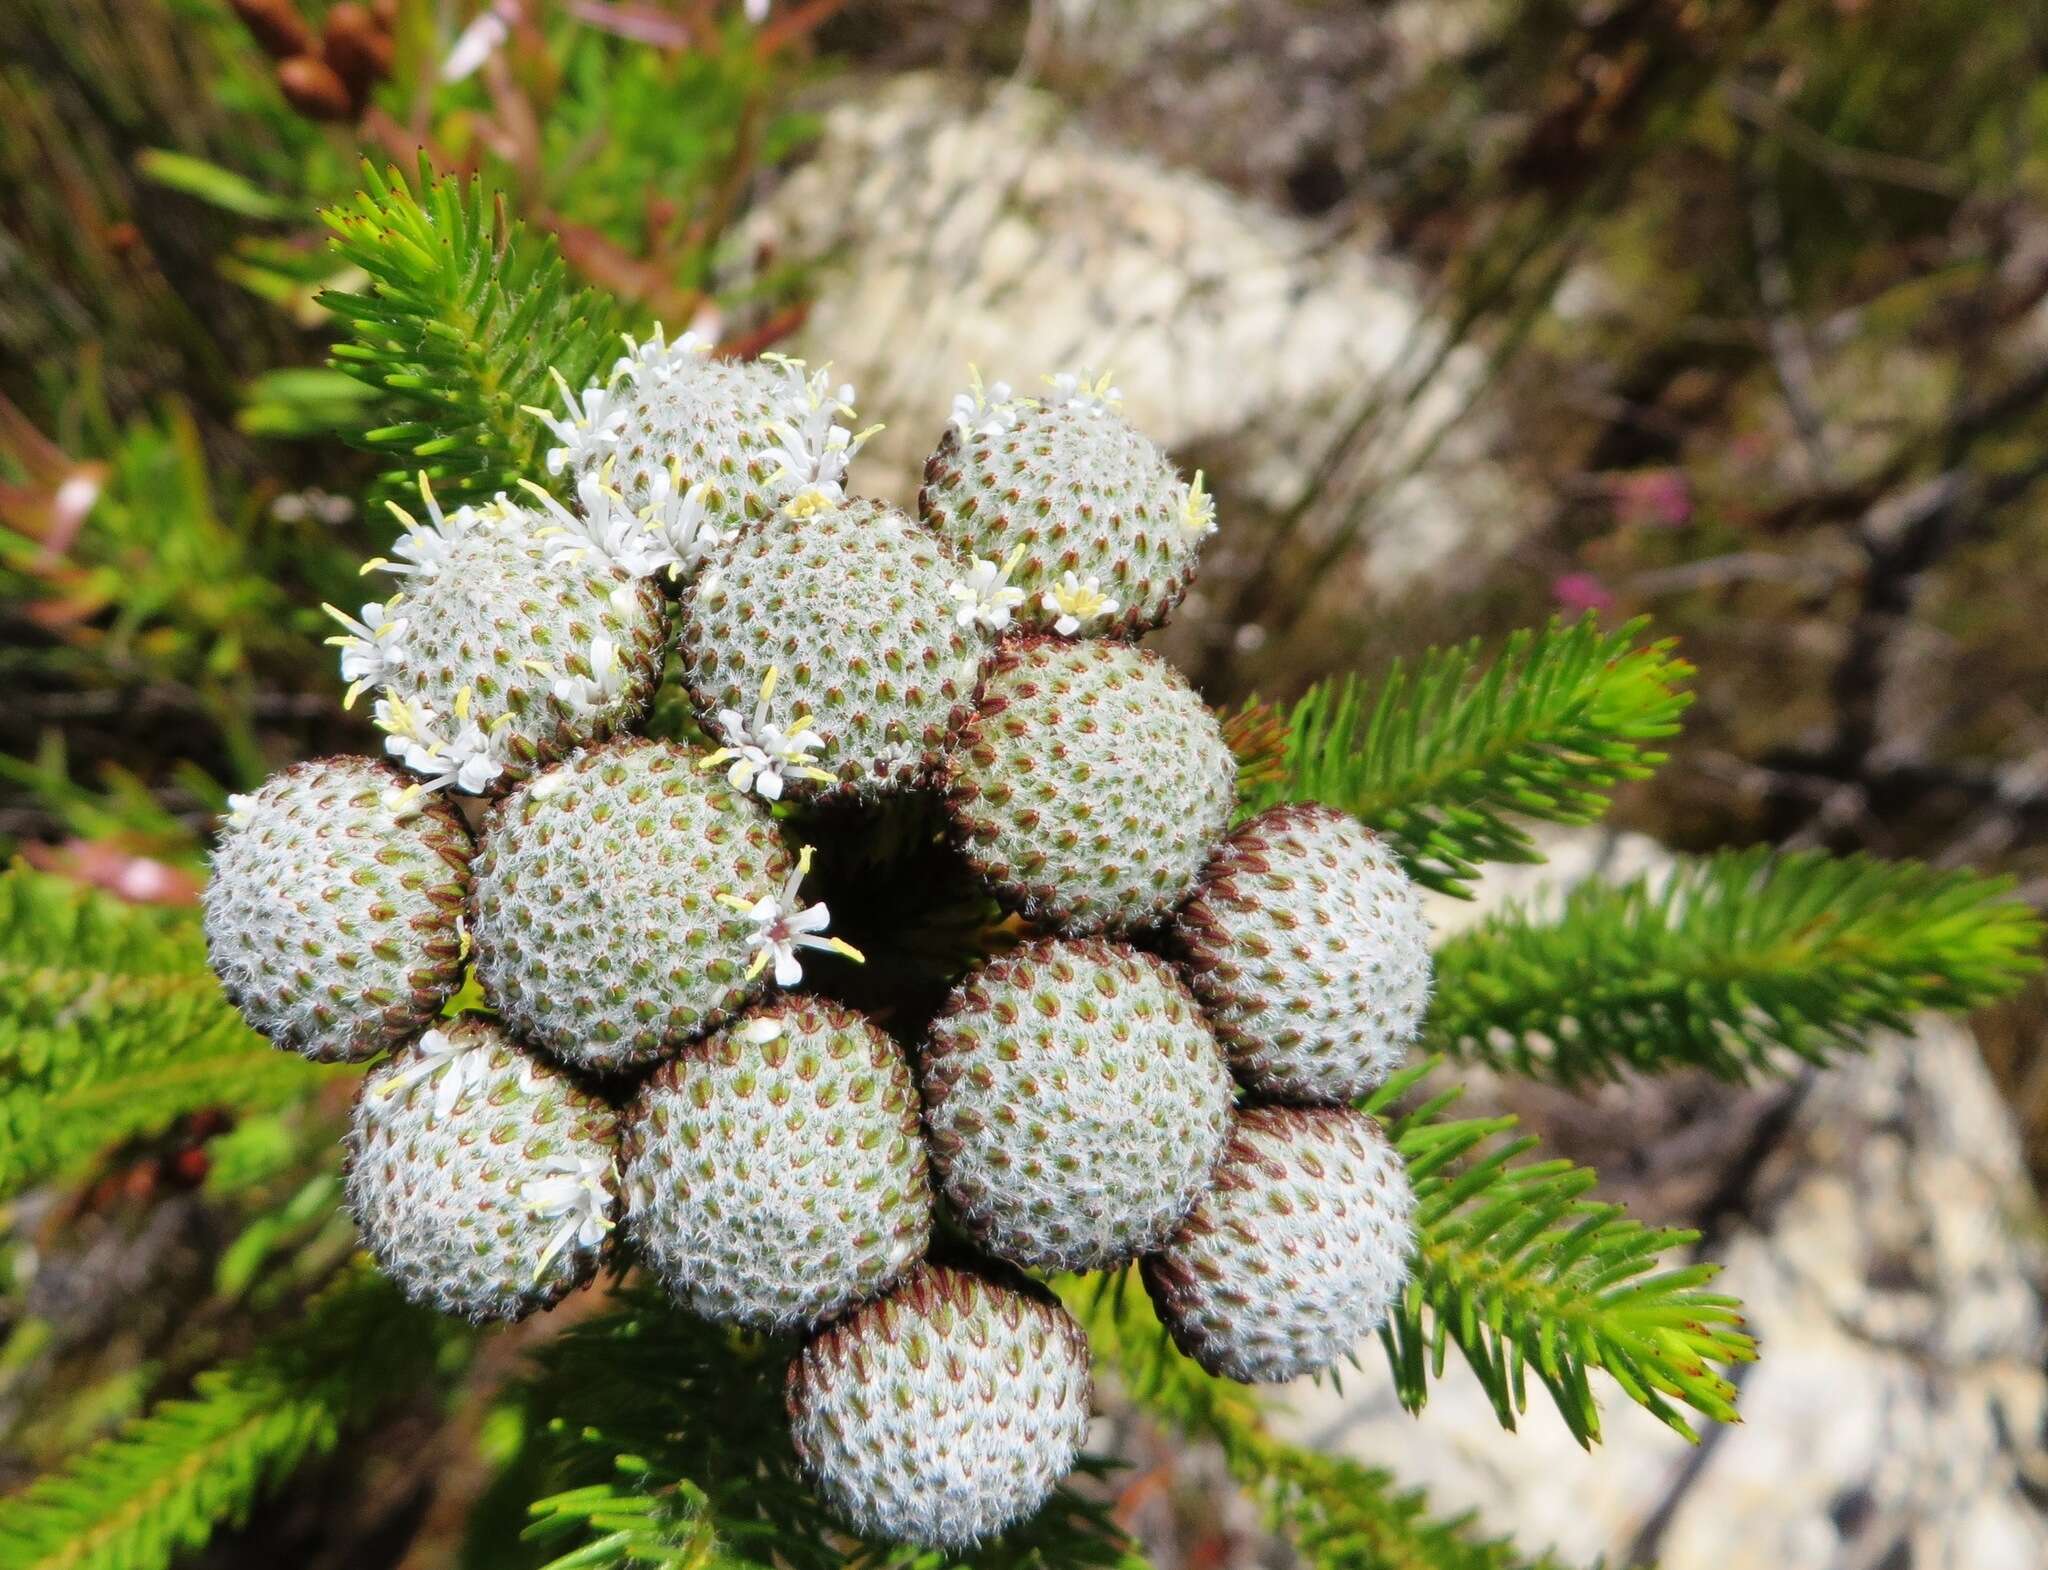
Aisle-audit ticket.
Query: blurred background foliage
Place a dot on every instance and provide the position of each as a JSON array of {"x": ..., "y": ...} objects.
[
  {"x": 176, "y": 495},
  {"x": 1759, "y": 288}
]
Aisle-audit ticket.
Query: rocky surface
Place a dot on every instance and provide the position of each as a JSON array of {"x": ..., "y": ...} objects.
[
  {"x": 1194, "y": 82},
  {"x": 1877, "y": 1220}
]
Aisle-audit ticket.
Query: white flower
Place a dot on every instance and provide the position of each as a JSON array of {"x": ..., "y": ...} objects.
[
  {"x": 763, "y": 755},
  {"x": 603, "y": 527},
  {"x": 241, "y": 811},
  {"x": 783, "y": 924},
  {"x": 1197, "y": 510},
  {"x": 757, "y": 11},
  {"x": 986, "y": 411},
  {"x": 480, "y": 40},
  {"x": 605, "y": 683},
  {"x": 372, "y": 647},
  {"x": 427, "y": 546},
  {"x": 987, "y": 596},
  {"x": 676, "y": 516},
  {"x": 589, "y": 425},
  {"x": 461, "y": 1062},
  {"x": 1077, "y": 603},
  {"x": 812, "y": 500},
  {"x": 1072, "y": 391},
  {"x": 812, "y": 449},
  {"x": 657, "y": 361},
  {"x": 465, "y": 758},
  {"x": 570, "y": 1192}
]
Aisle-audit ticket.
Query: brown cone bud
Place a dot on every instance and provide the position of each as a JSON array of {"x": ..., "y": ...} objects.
[
  {"x": 358, "y": 50},
  {"x": 277, "y": 25},
  {"x": 313, "y": 89}
]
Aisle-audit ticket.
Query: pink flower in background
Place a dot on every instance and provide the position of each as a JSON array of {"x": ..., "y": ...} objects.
[
  {"x": 1658, "y": 497},
  {"x": 139, "y": 879},
  {"x": 1579, "y": 592}
]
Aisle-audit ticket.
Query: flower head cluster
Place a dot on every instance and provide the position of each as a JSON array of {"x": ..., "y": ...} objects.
[
  {"x": 1074, "y": 390},
  {"x": 458, "y": 752},
  {"x": 986, "y": 410},
  {"x": 763, "y": 756},
  {"x": 1143, "y": 1043},
  {"x": 986, "y": 597},
  {"x": 813, "y": 449},
  {"x": 1076, "y": 603}
]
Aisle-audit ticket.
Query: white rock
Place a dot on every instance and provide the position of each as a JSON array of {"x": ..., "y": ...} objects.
[{"x": 957, "y": 225}]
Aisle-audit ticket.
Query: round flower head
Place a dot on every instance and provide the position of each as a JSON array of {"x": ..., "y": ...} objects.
[
  {"x": 944, "y": 1412},
  {"x": 626, "y": 901},
  {"x": 1107, "y": 532},
  {"x": 672, "y": 422},
  {"x": 1090, "y": 785},
  {"x": 824, "y": 651},
  {"x": 1298, "y": 1251},
  {"x": 1076, "y": 1103},
  {"x": 1307, "y": 945},
  {"x": 774, "y": 1172},
  {"x": 498, "y": 654},
  {"x": 482, "y": 1177},
  {"x": 333, "y": 915}
]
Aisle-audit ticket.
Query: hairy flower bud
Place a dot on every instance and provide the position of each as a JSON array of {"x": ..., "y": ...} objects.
[
  {"x": 333, "y": 916},
  {"x": 1090, "y": 785},
  {"x": 483, "y": 1178},
  {"x": 1076, "y": 1103},
  {"x": 1298, "y": 1251},
  {"x": 945, "y": 1411},
  {"x": 1307, "y": 945},
  {"x": 774, "y": 1172}
]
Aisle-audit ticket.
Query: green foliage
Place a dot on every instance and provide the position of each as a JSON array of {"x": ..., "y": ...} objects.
[
  {"x": 1340, "y": 1515},
  {"x": 1441, "y": 755},
  {"x": 170, "y": 601},
  {"x": 166, "y": 1483},
  {"x": 1518, "y": 1269},
  {"x": 1728, "y": 964},
  {"x": 111, "y": 1026},
  {"x": 165, "y": 572},
  {"x": 464, "y": 316},
  {"x": 649, "y": 147},
  {"x": 695, "y": 1468}
]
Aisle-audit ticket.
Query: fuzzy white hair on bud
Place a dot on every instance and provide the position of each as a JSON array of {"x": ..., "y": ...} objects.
[
  {"x": 333, "y": 922},
  {"x": 944, "y": 1411}
]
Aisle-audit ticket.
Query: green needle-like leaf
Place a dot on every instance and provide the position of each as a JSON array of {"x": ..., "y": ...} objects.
[
  {"x": 166, "y": 1483},
  {"x": 1731, "y": 964},
  {"x": 112, "y": 1026},
  {"x": 1443, "y": 756},
  {"x": 463, "y": 319},
  {"x": 1523, "y": 1273}
]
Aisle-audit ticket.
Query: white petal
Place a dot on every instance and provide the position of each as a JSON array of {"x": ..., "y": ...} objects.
[{"x": 814, "y": 919}]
